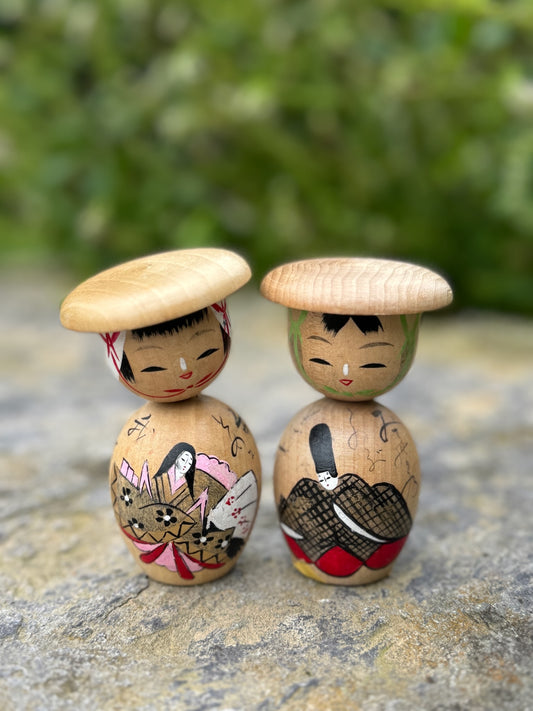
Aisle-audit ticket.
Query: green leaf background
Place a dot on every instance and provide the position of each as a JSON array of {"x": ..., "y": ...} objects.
[{"x": 283, "y": 129}]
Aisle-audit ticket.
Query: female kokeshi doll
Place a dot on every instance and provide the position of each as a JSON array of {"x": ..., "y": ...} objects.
[{"x": 184, "y": 498}]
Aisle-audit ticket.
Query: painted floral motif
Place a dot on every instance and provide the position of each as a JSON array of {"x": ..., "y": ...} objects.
[
  {"x": 133, "y": 523},
  {"x": 126, "y": 496},
  {"x": 166, "y": 517}
]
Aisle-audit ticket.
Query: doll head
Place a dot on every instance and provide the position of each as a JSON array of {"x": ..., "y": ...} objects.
[
  {"x": 163, "y": 319},
  {"x": 173, "y": 360},
  {"x": 348, "y": 357},
  {"x": 353, "y": 322}
]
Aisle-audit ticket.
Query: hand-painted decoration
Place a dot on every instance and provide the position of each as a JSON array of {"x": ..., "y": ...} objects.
[
  {"x": 347, "y": 475},
  {"x": 185, "y": 472}
]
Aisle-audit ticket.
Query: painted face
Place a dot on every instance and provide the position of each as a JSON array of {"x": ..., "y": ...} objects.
[
  {"x": 327, "y": 481},
  {"x": 183, "y": 462},
  {"x": 352, "y": 358},
  {"x": 175, "y": 366}
]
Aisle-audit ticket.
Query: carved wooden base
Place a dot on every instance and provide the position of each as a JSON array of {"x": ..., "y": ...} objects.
[
  {"x": 346, "y": 482},
  {"x": 185, "y": 485}
]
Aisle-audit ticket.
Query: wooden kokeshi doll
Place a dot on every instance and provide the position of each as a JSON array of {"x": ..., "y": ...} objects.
[
  {"x": 185, "y": 471},
  {"x": 347, "y": 475}
]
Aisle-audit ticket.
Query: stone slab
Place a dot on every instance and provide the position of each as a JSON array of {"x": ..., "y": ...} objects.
[{"x": 81, "y": 627}]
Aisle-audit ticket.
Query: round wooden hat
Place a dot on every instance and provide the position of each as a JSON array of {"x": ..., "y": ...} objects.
[
  {"x": 153, "y": 289},
  {"x": 356, "y": 285}
]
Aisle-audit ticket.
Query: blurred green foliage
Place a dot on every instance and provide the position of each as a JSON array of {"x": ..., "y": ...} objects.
[{"x": 281, "y": 128}]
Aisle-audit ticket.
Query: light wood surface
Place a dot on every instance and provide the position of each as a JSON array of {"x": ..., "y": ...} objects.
[
  {"x": 353, "y": 285},
  {"x": 153, "y": 289}
]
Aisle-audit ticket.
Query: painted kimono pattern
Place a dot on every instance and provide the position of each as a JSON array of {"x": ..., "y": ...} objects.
[
  {"x": 185, "y": 521},
  {"x": 341, "y": 530},
  {"x": 340, "y": 523}
]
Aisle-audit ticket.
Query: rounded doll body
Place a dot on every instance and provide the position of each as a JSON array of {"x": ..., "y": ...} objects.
[{"x": 185, "y": 494}]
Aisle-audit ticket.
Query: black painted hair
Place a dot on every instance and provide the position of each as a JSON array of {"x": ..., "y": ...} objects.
[
  {"x": 166, "y": 327},
  {"x": 321, "y": 447},
  {"x": 125, "y": 369},
  {"x": 171, "y": 458},
  {"x": 366, "y": 324}
]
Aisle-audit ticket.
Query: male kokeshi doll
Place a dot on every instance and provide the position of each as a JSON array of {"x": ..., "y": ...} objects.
[{"x": 347, "y": 475}]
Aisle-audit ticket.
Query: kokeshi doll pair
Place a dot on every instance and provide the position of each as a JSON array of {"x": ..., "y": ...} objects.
[{"x": 185, "y": 472}]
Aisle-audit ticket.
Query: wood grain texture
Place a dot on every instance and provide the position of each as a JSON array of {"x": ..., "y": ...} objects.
[
  {"x": 153, "y": 289},
  {"x": 353, "y": 285}
]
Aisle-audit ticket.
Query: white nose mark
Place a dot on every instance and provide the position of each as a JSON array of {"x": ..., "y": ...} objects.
[
  {"x": 183, "y": 364},
  {"x": 345, "y": 369}
]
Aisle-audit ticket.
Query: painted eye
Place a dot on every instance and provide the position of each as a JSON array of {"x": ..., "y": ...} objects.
[
  {"x": 152, "y": 369},
  {"x": 373, "y": 365},
  {"x": 320, "y": 361},
  {"x": 206, "y": 353}
]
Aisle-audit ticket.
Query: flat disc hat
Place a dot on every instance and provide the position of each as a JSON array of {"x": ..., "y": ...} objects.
[
  {"x": 356, "y": 285},
  {"x": 153, "y": 289}
]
